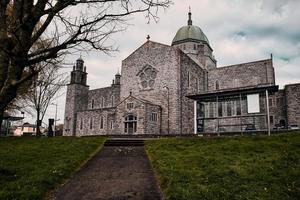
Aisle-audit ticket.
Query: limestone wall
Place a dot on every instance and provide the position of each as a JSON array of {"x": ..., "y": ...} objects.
[
  {"x": 164, "y": 63},
  {"x": 242, "y": 75},
  {"x": 278, "y": 107},
  {"x": 104, "y": 97},
  {"x": 293, "y": 104},
  {"x": 95, "y": 122},
  {"x": 76, "y": 99},
  {"x": 192, "y": 81}
]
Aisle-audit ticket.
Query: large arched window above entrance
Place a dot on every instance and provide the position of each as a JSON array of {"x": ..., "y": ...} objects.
[{"x": 130, "y": 124}]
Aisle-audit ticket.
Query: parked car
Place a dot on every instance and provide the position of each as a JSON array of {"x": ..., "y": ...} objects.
[
  {"x": 278, "y": 127},
  {"x": 294, "y": 127}
]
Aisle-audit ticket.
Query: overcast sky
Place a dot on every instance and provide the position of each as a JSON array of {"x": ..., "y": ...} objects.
[{"x": 238, "y": 31}]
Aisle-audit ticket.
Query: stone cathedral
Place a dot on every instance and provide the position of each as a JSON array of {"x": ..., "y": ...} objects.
[{"x": 179, "y": 89}]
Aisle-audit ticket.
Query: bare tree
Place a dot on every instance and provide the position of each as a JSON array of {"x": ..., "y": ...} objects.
[
  {"x": 65, "y": 25},
  {"x": 45, "y": 86}
]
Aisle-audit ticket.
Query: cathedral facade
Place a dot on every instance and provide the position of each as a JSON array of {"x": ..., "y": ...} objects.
[{"x": 179, "y": 89}]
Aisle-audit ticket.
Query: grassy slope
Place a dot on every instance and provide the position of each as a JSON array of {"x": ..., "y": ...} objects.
[
  {"x": 29, "y": 167},
  {"x": 228, "y": 168}
]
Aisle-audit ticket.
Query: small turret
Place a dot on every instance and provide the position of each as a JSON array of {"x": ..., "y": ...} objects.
[
  {"x": 79, "y": 75},
  {"x": 79, "y": 64},
  {"x": 118, "y": 79}
]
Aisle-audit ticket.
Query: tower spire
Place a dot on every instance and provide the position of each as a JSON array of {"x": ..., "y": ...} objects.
[{"x": 190, "y": 22}]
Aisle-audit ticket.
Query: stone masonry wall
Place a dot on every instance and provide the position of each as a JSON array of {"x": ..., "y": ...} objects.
[
  {"x": 192, "y": 81},
  {"x": 278, "y": 110},
  {"x": 109, "y": 95},
  {"x": 165, "y": 60},
  {"x": 242, "y": 75},
  {"x": 142, "y": 110},
  {"x": 152, "y": 127},
  {"x": 76, "y": 99},
  {"x": 293, "y": 104},
  {"x": 89, "y": 122}
]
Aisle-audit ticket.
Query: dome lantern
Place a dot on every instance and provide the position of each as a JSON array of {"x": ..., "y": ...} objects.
[
  {"x": 190, "y": 22},
  {"x": 190, "y": 33}
]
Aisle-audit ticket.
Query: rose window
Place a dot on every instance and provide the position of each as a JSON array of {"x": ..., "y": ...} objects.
[{"x": 147, "y": 77}]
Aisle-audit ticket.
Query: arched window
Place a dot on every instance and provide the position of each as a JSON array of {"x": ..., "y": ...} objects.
[
  {"x": 217, "y": 85},
  {"x": 102, "y": 102},
  {"x": 81, "y": 123},
  {"x": 82, "y": 78},
  {"x": 111, "y": 124},
  {"x": 188, "y": 79},
  {"x": 211, "y": 109},
  {"x": 236, "y": 83},
  {"x": 101, "y": 122},
  {"x": 112, "y": 100},
  {"x": 91, "y": 123},
  {"x": 92, "y": 106}
]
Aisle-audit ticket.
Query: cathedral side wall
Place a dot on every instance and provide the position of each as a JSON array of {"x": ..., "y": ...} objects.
[
  {"x": 165, "y": 60},
  {"x": 89, "y": 122},
  {"x": 277, "y": 104},
  {"x": 104, "y": 97},
  {"x": 192, "y": 82},
  {"x": 242, "y": 75},
  {"x": 293, "y": 104}
]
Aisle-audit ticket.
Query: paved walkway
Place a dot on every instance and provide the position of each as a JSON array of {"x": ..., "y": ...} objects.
[{"x": 115, "y": 173}]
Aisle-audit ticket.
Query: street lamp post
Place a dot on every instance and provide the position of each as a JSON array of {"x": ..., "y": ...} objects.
[
  {"x": 55, "y": 119},
  {"x": 168, "y": 100}
]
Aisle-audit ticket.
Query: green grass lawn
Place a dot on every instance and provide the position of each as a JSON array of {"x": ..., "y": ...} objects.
[
  {"x": 259, "y": 167},
  {"x": 30, "y": 167}
]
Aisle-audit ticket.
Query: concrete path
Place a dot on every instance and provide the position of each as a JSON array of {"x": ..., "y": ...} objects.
[{"x": 115, "y": 173}]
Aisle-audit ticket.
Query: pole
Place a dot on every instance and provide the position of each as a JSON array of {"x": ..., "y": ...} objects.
[
  {"x": 241, "y": 122},
  {"x": 168, "y": 112},
  {"x": 268, "y": 113},
  {"x": 168, "y": 106},
  {"x": 54, "y": 132},
  {"x": 218, "y": 131},
  {"x": 195, "y": 117}
]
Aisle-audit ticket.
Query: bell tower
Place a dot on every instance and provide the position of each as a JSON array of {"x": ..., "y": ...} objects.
[
  {"x": 76, "y": 98},
  {"x": 79, "y": 75}
]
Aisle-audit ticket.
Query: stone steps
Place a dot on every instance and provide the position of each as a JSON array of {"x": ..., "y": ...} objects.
[{"x": 124, "y": 142}]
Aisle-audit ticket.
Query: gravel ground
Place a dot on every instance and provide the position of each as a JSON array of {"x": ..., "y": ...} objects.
[{"x": 115, "y": 173}]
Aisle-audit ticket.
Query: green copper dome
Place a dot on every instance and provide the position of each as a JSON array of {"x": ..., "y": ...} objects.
[{"x": 189, "y": 33}]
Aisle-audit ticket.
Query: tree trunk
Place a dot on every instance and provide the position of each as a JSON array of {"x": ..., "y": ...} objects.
[
  {"x": 38, "y": 131},
  {"x": 1, "y": 120}
]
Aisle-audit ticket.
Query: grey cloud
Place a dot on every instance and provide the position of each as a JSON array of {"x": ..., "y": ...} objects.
[
  {"x": 276, "y": 6},
  {"x": 239, "y": 31}
]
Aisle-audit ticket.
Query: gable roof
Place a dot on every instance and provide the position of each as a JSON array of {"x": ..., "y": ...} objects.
[
  {"x": 138, "y": 99},
  {"x": 146, "y": 43},
  {"x": 244, "y": 64}
]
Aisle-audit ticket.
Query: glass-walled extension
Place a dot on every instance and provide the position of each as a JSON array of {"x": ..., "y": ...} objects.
[{"x": 232, "y": 111}]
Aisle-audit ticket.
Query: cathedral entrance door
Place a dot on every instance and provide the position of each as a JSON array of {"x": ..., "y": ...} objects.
[{"x": 130, "y": 124}]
